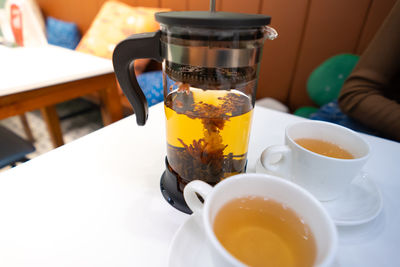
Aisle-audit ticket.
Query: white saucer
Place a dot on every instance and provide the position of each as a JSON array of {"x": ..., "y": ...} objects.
[
  {"x": 361, "y": 202},
  {"x": 188, "y": 247}
]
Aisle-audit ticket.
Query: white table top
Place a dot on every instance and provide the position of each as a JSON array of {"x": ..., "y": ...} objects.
[
  {"x": 27, "y": 68},
  {"x": 97, "y": 202}
]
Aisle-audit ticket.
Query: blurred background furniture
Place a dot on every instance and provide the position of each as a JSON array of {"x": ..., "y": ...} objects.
[
  {"x": 13, "y": 149},
  {"x": 326, "y": 81},
  {"x": 114, "y": 22},
  {"x": 323, "y": 88},
  {"x": 309, "y": 33},
  {"x": 40, "y": 77}
]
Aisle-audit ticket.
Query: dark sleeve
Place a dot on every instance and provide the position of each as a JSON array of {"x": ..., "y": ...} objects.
[{"x": 364, "y": 95}]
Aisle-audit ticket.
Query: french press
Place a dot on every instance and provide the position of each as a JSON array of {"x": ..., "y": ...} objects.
[{"x": 210, "y": 63}]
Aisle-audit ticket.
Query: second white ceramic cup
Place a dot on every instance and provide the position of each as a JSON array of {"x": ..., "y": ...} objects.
[
  {"x": 255, "y": 184},
  {"x": 325, "y": 177}
]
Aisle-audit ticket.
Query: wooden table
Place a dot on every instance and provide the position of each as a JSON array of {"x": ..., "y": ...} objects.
[
  {"x": 40, "y": 77},
  {"x": 97, "y": 201}
]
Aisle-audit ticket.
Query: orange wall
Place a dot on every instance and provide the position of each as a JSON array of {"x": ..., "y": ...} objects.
[
  {"x": 310, "y": 31},
  {"x": 332, "y": 27}
]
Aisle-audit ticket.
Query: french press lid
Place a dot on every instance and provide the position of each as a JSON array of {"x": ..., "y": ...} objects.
[
  {"x": 212, "y": 19},
  {"x": 209, "y": 19}
]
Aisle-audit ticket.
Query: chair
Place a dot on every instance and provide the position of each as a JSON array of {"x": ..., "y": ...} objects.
[
  {"x": 323, "y": 87},
  {"x": 13, "y": 148},
  {"x": 325, "y": 82}
]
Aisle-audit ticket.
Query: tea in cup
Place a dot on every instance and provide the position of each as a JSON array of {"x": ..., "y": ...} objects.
[
  {"x": 322, "y": 157},
  {"x": 263, "y": 220}
]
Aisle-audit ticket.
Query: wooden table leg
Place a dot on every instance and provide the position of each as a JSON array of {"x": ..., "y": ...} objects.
[
  {"x": 27, "y": 128},
  {"x": 50, "y": 116},
  {"x": 111, "y": 108}
]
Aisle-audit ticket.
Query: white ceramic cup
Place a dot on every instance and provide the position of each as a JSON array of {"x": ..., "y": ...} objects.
[
  {"x": 325, "y": 177},
  {"x": 256, "y": 184}
]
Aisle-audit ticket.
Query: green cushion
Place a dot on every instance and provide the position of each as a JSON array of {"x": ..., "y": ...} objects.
[
  {"x": 325, "y": 82},
  {"x": 305, "y": 112}
]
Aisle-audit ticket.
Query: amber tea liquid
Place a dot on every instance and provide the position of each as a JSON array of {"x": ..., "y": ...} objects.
[
  {"x": 207, "y": 133},
  {"x": 263, "y": 232},
  {"x": 324, "y": 148}
]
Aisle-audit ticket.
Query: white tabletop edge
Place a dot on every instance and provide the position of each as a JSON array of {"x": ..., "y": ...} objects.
[{"x": 29, "y": 68}]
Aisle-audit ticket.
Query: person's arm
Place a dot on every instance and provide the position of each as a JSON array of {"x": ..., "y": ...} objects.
[{"x": 372, "y": 91}]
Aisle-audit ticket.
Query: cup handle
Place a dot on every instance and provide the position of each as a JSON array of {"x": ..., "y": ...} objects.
[
  {"x": 191, "y": 191},
  {"x": 283, "y": 165}
]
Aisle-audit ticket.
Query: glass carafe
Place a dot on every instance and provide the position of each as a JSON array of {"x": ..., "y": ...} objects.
[{"x": 210, "y": 63}]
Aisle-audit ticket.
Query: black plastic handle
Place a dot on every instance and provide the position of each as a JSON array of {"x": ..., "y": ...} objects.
[{"x": 144, "y": 45}]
